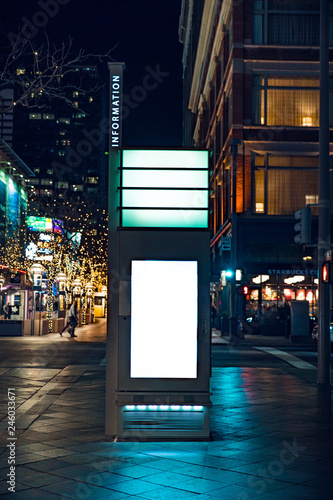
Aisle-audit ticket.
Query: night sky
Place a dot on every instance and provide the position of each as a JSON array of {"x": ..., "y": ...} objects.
[{"x": 142, "y": 33}]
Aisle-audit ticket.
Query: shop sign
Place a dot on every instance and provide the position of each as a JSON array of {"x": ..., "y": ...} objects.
[{"x": 292, "y": 272}]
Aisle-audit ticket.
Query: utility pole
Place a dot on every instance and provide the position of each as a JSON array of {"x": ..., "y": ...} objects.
[
  {"x": 324, "y": 238},
  {"x": 233, "y": 297}
]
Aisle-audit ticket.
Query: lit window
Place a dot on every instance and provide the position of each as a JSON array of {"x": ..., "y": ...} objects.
[
  {"x": 91, "y": 99},
  {"x": 282, "y": 184},
  {"x": 92, "y": 180},
  {"x": 75, "y": 93},
  {"x": 61, "y": 185},
  {"x": 75, "y": 104},
  {"x": 67, "y": 121},
  {"x": 20, "y": 71},
  {"x": 36, "y": 170},
  {"x": 77, "y": 187},
  {"x": 49, "y": 171},
  {"x": 35, "y": 116},
  {"x": 286, "y": 101}
]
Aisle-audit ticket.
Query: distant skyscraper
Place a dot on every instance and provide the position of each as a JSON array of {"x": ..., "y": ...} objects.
[{"x": 62, "y": 141}]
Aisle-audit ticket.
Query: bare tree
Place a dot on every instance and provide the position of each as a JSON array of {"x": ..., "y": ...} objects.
[{"x": 41, "y": 72}]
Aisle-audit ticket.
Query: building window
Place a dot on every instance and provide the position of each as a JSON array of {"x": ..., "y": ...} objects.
[
  {"x": 286, "y": 101},
  {"x": 61, "y": 185},
  {"x": 283, "y": 184},
  {"x": 285, "y": 22},
  {"x": 35, "y": 116},
  {"x": 67, "y": 121},
  {"x": 77, "y": 187},
  {"x": 48, "y": 116},
  {"x": 92, "y": 180}
]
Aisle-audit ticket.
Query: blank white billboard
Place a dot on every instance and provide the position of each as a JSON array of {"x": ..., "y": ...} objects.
[{"x": 164, "y": 319}]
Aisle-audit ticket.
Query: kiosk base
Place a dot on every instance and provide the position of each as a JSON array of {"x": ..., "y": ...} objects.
[{"x": 145, "y": 422}]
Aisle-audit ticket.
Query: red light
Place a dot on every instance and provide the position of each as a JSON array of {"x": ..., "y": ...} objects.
[
  {"x": 245, "y": 290},
  {"x": 325, "y": 275}
]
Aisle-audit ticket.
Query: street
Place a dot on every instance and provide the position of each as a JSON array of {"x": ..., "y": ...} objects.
[
  {"x": 264, "y": 402},
  {"x": 53, "y": 351}
]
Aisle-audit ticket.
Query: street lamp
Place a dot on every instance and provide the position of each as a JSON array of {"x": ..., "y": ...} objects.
[
  {"x": 89, "y": 293},
  {"x": 61, "y": 278},
  {"x": 105, "y": 291},
  {"x": 36, "y": 271},
  {"x": 77, "y": 286}
]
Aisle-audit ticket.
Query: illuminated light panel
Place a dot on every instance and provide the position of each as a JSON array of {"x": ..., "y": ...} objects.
[
  {"x": 169, "y": 351},
  {"x": 179, "y": 198},
  {"x": 154, "y": 174},
  {"x": 165, "y": 178},
  {"x": 164, "y": 218},
  {"x": 164, "y": 407},
  {"x": 164, "y": 159}
]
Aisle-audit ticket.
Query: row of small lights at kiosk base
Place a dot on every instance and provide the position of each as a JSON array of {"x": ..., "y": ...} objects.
[{"x": 164, "y": 407}]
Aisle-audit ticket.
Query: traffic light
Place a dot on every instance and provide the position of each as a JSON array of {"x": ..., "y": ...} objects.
[
  {"x": 303, "y": 227},
  {"x": 327, "y": 272}
]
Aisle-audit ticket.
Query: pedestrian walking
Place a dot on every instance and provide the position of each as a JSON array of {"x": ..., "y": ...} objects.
[
  {"x": 67, "y": 322},
  {"x": 73, "y": 319},
  {"x": 7, "y": 310}
]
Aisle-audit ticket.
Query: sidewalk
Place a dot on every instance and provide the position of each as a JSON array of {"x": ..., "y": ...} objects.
[
  {"x": 271, "y": 439},
  {"x": 260, "y": 340}
]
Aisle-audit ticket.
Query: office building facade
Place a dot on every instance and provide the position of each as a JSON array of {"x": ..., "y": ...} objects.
[{"x": 254, "y": 100}]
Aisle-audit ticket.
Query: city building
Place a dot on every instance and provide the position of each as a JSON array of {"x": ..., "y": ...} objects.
[
  {"x": 62, "y": 140},
  {"x": 254, "y": 100},
  {"x": 13, "y": 208},
  {"x": 6, "y": 113}
]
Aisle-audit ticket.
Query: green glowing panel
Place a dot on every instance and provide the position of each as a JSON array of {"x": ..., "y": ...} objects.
[
  {"x": 165, "y": 159},
  {"x": 165, "y": 178},
  {"x": 162, "y": 198},
  {"x": 155, "y": 180},
  {"x": 165, "y": 218}
]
